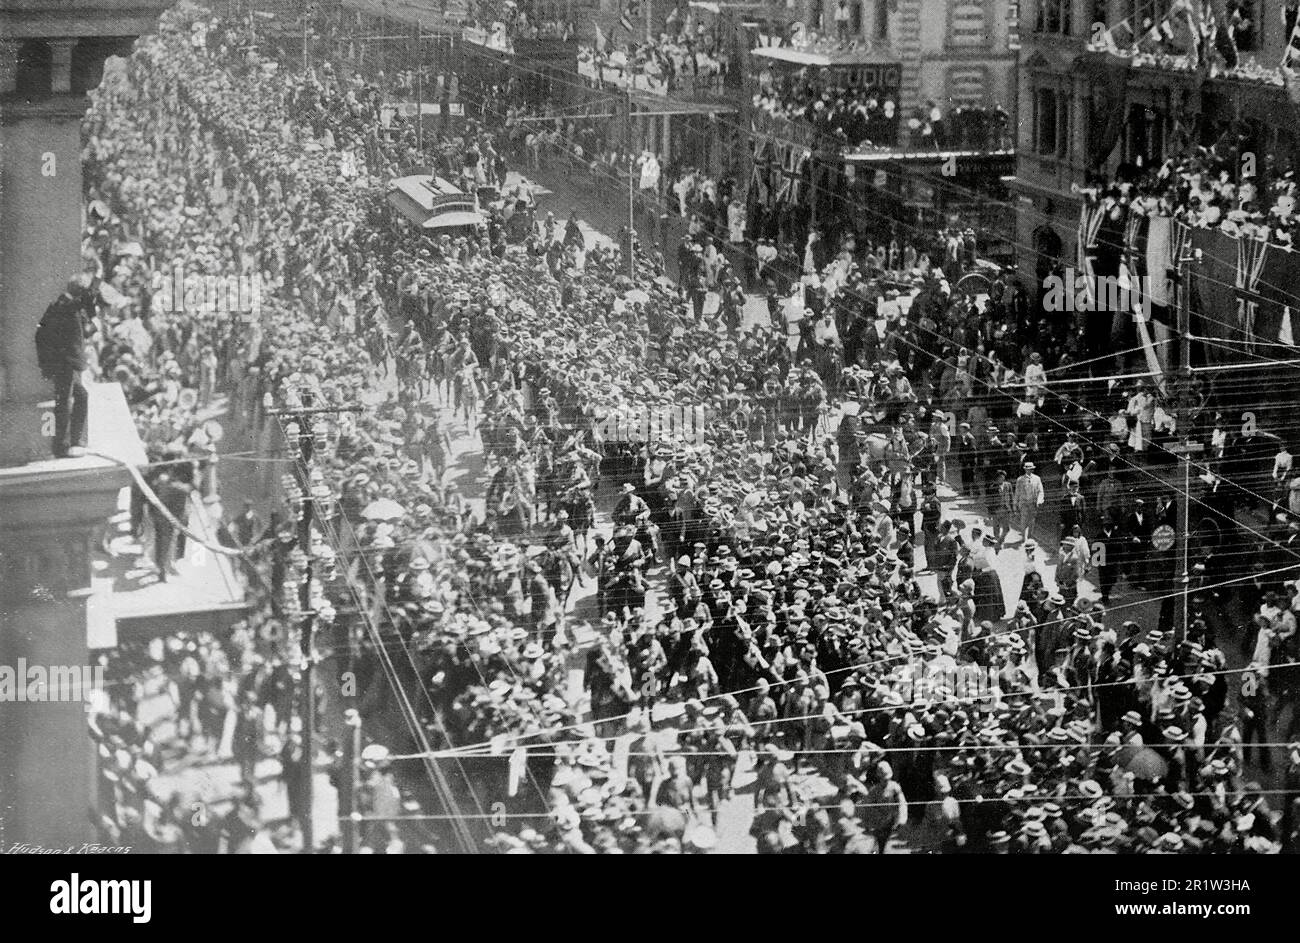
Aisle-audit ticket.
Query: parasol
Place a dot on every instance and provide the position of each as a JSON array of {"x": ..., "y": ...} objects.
[
  {"x": 973, "y": 283},
  {"x": 665, "y": 820},
  {"x": 384, "y": 509},
  {"x": 1145, "y": 763}
]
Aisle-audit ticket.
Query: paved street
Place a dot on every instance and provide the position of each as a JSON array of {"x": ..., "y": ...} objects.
[{"x": 212, "y": 779}]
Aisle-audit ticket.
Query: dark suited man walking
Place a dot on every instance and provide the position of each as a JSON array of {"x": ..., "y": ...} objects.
[
  {"x": 169, "y": 543},
  {"x": 1114, "y": 547},
  {"x": 61, "y": 353},
  {"x": 1139, "y": 525}
]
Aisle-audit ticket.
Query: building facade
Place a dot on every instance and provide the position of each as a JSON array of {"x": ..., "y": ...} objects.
[
  {"x": 1083, "y": 111},
  {"x": 953, "y": 52}
]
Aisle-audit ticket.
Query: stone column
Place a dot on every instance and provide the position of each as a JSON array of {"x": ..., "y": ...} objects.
[
  {"x": 48, "y": 521},
  {"x": 40, "y": 249}
]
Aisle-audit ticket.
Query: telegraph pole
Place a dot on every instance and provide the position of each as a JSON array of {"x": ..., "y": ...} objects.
[
  {"x": 305, "y": 603},
  {"x": 1183, "y": 420},
  {"x": 631, "y": 186},
  {"x": 419, "y": 94},
  {"x": 349, "y": 814}
]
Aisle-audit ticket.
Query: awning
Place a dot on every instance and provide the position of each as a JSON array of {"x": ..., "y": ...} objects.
[
  {"x": 831, "y": 57},
  {"x": 887, "y": 155},
  {"x": 666, "y": 105},
  {"x": 424, "y": 14}
]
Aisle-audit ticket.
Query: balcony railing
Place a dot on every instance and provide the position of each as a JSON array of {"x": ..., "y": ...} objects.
[
  {"x": 954, "y": 135},
  {"x": 684, "y": 86}
]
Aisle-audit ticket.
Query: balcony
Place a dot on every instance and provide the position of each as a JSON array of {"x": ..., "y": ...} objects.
[
  {"x": 127, "y": 601},
  {"x": 21, "y": 19},
  {"x": 51, "y": 510}
]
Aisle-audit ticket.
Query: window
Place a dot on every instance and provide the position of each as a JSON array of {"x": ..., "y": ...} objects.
[
  {"x": 1145, "y": 137},
  {"x": 1051, "y": 122},
  {"x": 35, "y": 72},
  {"x": 1053, "y": 16},
  {"x": 966, "y": 25},
  {"x": 967, "y": 84},
  {"x": 1045, "y": 121},
  {"x": 1062, "y": 125},
  {"x": 882, "y": 19}
]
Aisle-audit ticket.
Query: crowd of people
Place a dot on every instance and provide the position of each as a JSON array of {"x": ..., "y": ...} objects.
[
  {"x": 684, "y": 61},
  {"x": 796, "y": 628},
  {"x": 1215, "y": 187},
  {"x": 864, "y": 118}
]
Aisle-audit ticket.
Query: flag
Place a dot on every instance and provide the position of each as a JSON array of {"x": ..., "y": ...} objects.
[
  {"x": 1160, "y": 260},
  {"x": 799, "y": 166},
  {"x": 600, "y": 39},
  {"x": 1090, "y": 218},
  {"x": 1275, "y": 301},
  {"x": 1290, "y": 83},
  {"x": 625, "y": 21},
  {"x": 1292, "y": 51},
  {"x": 1108, "y": 108},
  {"x": 1251, "y": 254}
]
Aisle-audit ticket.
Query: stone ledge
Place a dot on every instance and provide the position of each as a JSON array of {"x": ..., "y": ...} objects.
[{"x": 58, "y": 492}]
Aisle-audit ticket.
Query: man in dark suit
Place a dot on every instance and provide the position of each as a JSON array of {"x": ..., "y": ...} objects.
[
  {"x": 61, "y": 354},
  {"x": 1166, "y": 511},
  {"x": 1074, "y": 509},
  {"x": 1112, "y": 557},
  {"x": 1138, "y": 528},
  {"x": 945, "y": 557},
  {"x": 967, "y": 457},
  {"x": 168, "y": 542}
]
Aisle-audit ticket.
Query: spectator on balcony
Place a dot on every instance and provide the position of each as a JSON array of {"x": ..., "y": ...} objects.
[{"x": 61, "y": 352}]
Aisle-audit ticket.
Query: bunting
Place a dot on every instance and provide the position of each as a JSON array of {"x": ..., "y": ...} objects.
[
  {"x": 797, "y": 171},
  {"x": 1241, "y": 274},
  {"x": 1090, "y": 216}
]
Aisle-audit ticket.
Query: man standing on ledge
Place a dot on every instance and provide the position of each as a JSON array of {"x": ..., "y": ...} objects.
[{"x": 61, "y": 353}]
